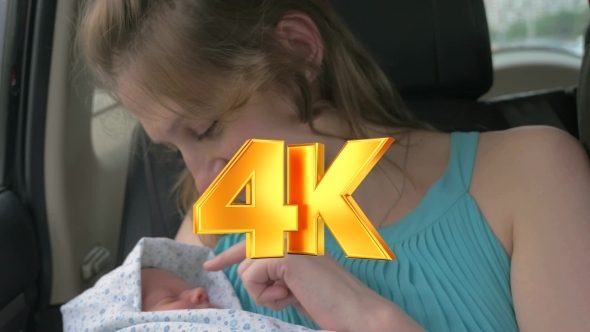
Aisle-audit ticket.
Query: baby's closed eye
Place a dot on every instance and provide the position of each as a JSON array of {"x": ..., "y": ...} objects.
[{"x": 166, "y": 300}]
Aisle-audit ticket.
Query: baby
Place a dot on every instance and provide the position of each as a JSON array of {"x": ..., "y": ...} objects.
[
  {"x": 162, "y": 290},
  {"x": 162, "y": 286}
]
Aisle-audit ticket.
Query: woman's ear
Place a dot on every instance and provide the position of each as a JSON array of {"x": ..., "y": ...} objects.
[{"x": 299, "y": 35}]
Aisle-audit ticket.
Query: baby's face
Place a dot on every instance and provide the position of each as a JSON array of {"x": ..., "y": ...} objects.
[{"x": 161, "y": 290}]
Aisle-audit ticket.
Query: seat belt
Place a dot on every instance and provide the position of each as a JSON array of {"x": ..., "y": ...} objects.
[
  {"x": 157, "y": 221},
  {"x": 531, "y": 114}
]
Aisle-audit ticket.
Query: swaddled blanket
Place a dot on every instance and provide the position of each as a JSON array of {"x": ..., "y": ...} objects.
[{"x": 114, "y": 303}]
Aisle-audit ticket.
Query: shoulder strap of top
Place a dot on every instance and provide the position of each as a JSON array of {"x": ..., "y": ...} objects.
[{"x": 463, "y": 153}]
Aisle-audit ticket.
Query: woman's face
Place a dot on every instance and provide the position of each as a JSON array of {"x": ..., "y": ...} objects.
[{"x": 207, "y": 146}]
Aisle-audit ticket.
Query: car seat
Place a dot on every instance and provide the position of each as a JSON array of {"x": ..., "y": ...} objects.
[{"x": 583, "y": 95}]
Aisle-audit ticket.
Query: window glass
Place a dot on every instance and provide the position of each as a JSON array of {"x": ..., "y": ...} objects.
[
  {"x": 111, "y": 125},
  {"x": 102, "y": 102},
  {"x": 553, "y": 24}
]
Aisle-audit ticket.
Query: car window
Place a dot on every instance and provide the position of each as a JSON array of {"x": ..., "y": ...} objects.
[
  {"x": 553, "y": 24},
  {"x": 111, "y": 125}
]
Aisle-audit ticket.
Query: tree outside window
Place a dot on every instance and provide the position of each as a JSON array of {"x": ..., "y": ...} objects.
[{"x": 556, "y": 24}]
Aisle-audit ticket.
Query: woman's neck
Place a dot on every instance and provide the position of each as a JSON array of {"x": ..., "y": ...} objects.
[{"x": 385, "y": 183}]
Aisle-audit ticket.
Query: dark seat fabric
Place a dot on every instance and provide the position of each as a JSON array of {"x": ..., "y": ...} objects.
[
  {"x": 437, "y": 52},
  {"x": 431, "y": 49},
  {"x": 552, "y": 107},
  {"x": 583, "y": 95},
  {"x": 150, "y": 208},
  {"x": 459, "y": 115},
  {"x": 549, "y": 107}
]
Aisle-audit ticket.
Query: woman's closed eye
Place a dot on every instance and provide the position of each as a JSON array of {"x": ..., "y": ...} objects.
[{"x": 208, "y": 132}]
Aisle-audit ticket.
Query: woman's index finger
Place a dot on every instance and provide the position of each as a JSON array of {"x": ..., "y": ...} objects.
[{"x": 232, "y": 255}]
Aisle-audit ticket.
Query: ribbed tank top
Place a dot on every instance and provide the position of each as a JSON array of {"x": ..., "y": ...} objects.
[{"x": 450, "y": 273}]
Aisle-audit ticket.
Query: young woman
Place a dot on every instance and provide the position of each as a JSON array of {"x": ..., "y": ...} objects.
[{"x": 491, "y": 231}]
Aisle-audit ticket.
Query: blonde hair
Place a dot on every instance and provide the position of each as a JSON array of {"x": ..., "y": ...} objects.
[{"x": 199, "y": 52}]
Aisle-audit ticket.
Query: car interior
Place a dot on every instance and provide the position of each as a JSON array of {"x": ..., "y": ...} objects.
[{"x": 81, "y": 182}]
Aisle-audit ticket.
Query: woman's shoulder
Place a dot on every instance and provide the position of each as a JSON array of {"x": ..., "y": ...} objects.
[
  {"x": 519, "y": 158},
  {"x": 528, "y": 149},
  {"x": 511, "y": 154},
  {"x": 541, "y": 177},
  {"x": 519, "y": 169}
]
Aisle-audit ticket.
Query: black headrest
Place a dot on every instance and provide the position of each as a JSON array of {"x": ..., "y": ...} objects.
[{"x": 431, "y": 49}]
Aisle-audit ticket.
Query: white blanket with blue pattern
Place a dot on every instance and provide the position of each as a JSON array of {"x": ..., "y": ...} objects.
[{"x": 114, "y": 303}]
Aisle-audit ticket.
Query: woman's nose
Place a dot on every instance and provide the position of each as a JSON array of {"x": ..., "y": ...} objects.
[{"x": 205, "y": 176}]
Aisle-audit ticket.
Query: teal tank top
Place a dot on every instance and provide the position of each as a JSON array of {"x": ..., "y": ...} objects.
[{"x": 451, "y": 272}]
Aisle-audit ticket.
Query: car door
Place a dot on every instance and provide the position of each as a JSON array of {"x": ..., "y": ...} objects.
[{"x": 25, "y": 262}]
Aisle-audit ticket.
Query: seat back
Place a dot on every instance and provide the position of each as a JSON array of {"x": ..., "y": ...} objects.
[
  {"x": 438, "y": 54},
  {"x": 583, "y": 95},
  {"x": 432, "y": 50}
]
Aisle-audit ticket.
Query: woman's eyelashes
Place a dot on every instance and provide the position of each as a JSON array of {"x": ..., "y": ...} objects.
[
  {"x": 213, "y": 129},
  {"x": 210, "y": 131}
]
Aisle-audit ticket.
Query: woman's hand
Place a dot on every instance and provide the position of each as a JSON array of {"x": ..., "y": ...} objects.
[{"x": 318, "y": 286}]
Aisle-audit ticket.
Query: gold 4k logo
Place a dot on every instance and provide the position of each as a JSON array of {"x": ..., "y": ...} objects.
[{"x": 314, "y": 198}]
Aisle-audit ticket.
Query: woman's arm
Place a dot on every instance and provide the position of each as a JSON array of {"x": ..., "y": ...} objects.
[
  {"x": 549, "y": 185},
  {"x": 319, "y": 287},
  {"x": 185, "y": 232}
]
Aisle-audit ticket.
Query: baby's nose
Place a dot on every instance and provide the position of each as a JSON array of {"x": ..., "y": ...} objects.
[{"x": 199, "y": 295}]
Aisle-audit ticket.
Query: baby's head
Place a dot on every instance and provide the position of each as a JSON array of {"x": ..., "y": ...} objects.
[{"x": 162, "y": 290}]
